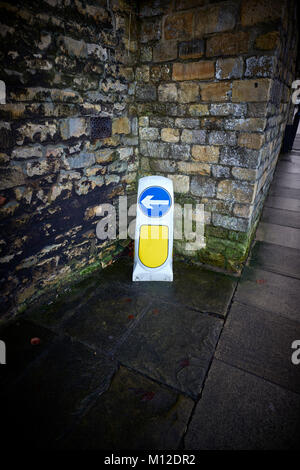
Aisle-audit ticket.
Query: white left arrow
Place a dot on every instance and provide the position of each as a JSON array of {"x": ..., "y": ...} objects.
[{"x": 147, "y": 202}]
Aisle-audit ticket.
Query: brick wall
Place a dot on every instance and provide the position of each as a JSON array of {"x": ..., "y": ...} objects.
[
  {"x": 212, "y": 95},
  {"x": 63, "y": 63}
]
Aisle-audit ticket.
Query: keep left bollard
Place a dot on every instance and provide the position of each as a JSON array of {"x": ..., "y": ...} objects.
[{"x": 153, "y": 246}]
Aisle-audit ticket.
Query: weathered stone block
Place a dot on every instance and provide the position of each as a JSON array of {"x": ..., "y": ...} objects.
[
  {"x": 191, "y": 49},
  {"x": 142, "y": 74},
  {"x": 242, "y": 210},
  {"x": 228, "y": 44},
  {"x": 260, "y": 11},
  {"x": 215, "y": 18},
  {"x": 236, "y": 191},
  {"x": 199, "y": 110},
  {"x": 149, "y": 133},
  {"x": 219, "y": 171},
  {"x": 251, "y": 90},
  {"x": 160, "y": 72},
  {"x": 186, "y": 4},
  {"x": 180, "y": 151},
  {"x": 193, "y": 136},
  {"x": 97, "y": 52},
  {"x": 150, "y": 30},
  {"x": 104, "y": 155},
  {"x": 146, "y": 54},
  {"x": 155, "y": 149},
  {"x": 225, "y": 109},
  {"x": 179, "y": 26},
  {"x": 145, "y": 93},
  {"x": 181, "y": 183},
  {"x": 202, "y": 70},
  {"x": 73, "y": 127},
  {"x": 167, "y": 92},
  {"x": 205, "y": 153},
  {"x": 23, "y": 153},
  {"x": 194, "y": 168},
  {"x": 235, "y": 156},
  {"x": 251, "y": 141},
  {"x": 262, "y": 66},
  {"x": 244, "y": 173},
  {"x": 267, "y": 41},
  {"x": 164, "y": 166},
  {"x": 121, "y": 126},
  {"x": 165, "y": 51},
  {"x": 125, "y": 152},
  {"x": 203, "y": 186},
  {"x": 245, "y": 124},
  {"x": 74, "y": 47},
  {"x": 144, "y": 121},
  {"x": 229, "y": 68},
  {"x": 170, "y": 135},
  {"x": 187, "y": 123},
  {"x": 232, "y": 223},
  {"x": 11, "y": 177},
  {"x": 221, "y": 138},
  {"x": 82, "y": 160},
  {"x": 188, "y": 92},
  {"x": 215, "y": 91}
]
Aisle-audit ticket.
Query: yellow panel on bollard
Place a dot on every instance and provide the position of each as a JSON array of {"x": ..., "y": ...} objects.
[{"x": 154, "y": 230}]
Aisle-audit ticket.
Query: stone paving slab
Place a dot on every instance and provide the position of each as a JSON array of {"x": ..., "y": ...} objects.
[
  {"x": 288, "y": 167},
  {"x": 135, "y": 413},
  {"x": 173, "y": 345},
  {"x": 260, "y": 342},
  {"x": 280, "y": 191},
  {"x": 17, "y": 336},
  {"x": 292, "y": 157},
  {"x": 52, "y": 312},
  {"x": 53, "y": 394},
  {"x": 240, "y": 411},
  {"x": 281, "y": 217},
  {"x": 287, "y": 180},
  {"x": 278, "y": 234},
  {"x": 283, "y": 203},
  {"x": 102, "y": 323},
  {"x": 276, "y": 258},
  {"x": 270, "y": 291},
  {"x": 193, "y": 286}
]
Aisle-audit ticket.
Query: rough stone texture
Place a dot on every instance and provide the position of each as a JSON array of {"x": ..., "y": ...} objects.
[
  {"x": 163, "y": 359},
  {"x": 228, "y": 44},
  {"x": 140, "y": 405},
  {"x": 216, "y": 425},
  {"x": 251, "y": 90},
  {"x": 193, "y": 70},
  {"x": 62, "y": 65}
]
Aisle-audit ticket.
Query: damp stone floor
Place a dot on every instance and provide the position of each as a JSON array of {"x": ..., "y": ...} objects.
[{"x": 200, "y": 363}]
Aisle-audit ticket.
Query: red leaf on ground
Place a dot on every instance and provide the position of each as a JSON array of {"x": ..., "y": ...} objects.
[
  {"x": 147, "y": 396},
  {"x": 155, "y": 311},
  {"x": 185, "y": 363},
  {"x": 130, "y": 317},
  {"x": 2, "y": 200},
  {"x": 261, "y": 281},
  {"x": 127, "y": 299},
  {"x": 35, "y": 341}
]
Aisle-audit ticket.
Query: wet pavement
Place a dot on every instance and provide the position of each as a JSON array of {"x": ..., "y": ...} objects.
[{"x": 200, "y": 363}]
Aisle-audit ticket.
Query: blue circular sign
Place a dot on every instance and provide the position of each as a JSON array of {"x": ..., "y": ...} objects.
[{"x": 155, "y": 201}]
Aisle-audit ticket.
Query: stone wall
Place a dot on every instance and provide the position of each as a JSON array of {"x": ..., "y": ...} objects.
[
  {"x": 212, "y": 95},
  {"x": 63, "y": 62},
  {"x": 196, "y": 90}
]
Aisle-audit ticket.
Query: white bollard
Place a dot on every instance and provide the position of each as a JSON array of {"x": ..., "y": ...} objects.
[{"x": 153, "y": 246}]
